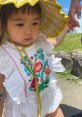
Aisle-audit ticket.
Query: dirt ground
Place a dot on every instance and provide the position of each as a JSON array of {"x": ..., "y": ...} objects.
[{"x": 72, "y": 97}]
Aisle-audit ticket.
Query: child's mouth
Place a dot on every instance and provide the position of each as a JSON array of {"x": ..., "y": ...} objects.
[{"x": 28, "y": 39}]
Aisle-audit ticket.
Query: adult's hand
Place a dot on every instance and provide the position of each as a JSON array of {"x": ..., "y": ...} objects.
[{"x": 75, "y": 9}]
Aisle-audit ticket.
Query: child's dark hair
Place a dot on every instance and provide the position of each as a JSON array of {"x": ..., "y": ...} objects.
[{"x": 7, "y": 10}]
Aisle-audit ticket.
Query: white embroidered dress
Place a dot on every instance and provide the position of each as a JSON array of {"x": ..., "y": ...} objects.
[{"x": 19, "y": 81}]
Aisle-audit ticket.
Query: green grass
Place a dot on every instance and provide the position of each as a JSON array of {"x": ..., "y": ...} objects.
[
  {"x": 71, "y": 42},
  {"x": 64, "y": 75}
]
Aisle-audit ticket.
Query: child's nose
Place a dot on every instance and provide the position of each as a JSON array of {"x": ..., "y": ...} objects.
[{"x": 28, "y": 30}]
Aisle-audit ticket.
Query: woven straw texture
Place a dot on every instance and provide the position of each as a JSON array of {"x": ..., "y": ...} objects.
[{"x": 53, "y": 20}]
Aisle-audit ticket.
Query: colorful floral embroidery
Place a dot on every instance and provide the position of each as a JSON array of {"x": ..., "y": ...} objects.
[
  {"x": 37, "y": 66},
  {"x": 40, "y": 66}
]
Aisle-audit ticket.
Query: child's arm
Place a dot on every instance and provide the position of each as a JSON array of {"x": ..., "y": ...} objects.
[
  {"x": 57, "y": 40},
  {"x": 2, "y": 94}
]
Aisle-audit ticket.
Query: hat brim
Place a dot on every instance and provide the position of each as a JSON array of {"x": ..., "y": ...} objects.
[{"x": 53, "y": 20}]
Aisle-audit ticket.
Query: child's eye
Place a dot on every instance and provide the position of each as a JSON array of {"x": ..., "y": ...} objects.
[
  {"x": 35, "y": 23},
  {"x": 20, "y": 24}
]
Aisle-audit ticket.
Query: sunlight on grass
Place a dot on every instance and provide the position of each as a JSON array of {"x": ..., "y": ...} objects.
[{"x": 70, "y": 42}]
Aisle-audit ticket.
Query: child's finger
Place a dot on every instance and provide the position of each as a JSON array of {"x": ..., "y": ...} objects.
[
  {"x": 2, "y": 89},
  {"x": 2, "y": 77},
  {"x": 72, "y": 25},
  {"x": 74, "y": 22}
]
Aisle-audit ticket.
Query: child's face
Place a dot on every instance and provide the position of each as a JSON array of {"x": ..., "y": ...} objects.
[{"x": 23, "y": 29}]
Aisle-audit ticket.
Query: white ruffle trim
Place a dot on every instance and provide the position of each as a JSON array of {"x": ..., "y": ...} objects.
[
  {"x": 51, "y": 99},
  {"x": 29, "y": 108},
  {"x": 56, "y": 64},
  {"x": 15, "y": 88}
]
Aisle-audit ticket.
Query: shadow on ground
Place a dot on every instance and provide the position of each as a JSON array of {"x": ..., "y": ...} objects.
[{"x": 70, "y": 111}]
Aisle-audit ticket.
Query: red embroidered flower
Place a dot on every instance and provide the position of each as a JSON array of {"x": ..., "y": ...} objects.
[
  {"x": 37, "y": 66},
  {"x": 33, "y": 84},
  {"x": 47, "y": 71}
]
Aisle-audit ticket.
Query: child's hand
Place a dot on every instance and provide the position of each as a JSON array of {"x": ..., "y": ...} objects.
[
  {"x": 71, "y": 25},
  {"x": 2, "y": 93},
  {"x": 2, "y": 89}
]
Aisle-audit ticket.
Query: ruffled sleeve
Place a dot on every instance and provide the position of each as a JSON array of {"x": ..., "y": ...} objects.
[
  {"x": 15, "y": 88},
  {"x": 55, "y": 64},
  {"x": 13, "y": 83},
  {"x": 5, "y": 66}
]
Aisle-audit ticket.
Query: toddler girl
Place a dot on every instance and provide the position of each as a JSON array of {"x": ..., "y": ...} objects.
[{"x": 30, "y": 82}]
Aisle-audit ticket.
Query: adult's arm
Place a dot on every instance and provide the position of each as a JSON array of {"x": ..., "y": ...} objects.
[{"x": 75, "y": 9}]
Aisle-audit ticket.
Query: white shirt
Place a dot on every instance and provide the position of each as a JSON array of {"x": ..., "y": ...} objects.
[{"x": 17, "y": 77}]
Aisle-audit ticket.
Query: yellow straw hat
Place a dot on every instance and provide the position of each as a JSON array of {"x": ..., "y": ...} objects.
[{"x": 53, "y": 20}]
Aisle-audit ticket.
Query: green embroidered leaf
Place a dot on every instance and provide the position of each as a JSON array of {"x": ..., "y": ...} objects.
[
  {"x": 47, "y": 81},
  {"x": 25, "y": 58}
]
